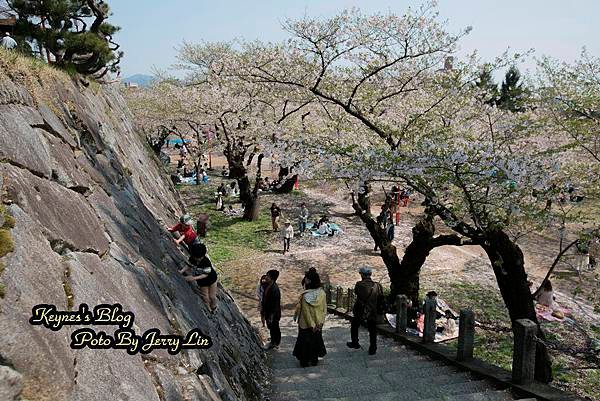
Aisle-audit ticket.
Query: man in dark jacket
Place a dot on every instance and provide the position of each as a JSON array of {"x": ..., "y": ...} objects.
[
  {"x": 271, "y": 307},
  {"x": 369, "y": 297}
]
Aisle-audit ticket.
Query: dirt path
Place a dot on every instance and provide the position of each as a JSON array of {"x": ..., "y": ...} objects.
[{"x": 337, "y": 258}]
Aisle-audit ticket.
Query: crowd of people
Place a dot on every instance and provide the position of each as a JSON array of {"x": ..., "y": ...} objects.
[
  {"x": 320, "y": 227},
  {"x": 311, "y": 311}
]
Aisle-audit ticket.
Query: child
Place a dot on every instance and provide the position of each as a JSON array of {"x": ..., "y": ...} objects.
[
  {"x": 184, "y": 228},
  {"x": 288, "y": 234}
]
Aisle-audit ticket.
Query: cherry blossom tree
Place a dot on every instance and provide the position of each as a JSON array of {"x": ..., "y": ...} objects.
[{"x": 406, "y": 117}]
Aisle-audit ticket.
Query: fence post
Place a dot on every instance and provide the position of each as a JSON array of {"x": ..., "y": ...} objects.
[
  {"x": 523, "y": 367},
  {"x": 401, "y": 313},
  {"x": 348, "y": 300},
  {"x": 466, "y": 335},
  {"x": 328, "y": 294},
  {"x": 338, "y": 297},
  {"x": 429, "y": 310}
]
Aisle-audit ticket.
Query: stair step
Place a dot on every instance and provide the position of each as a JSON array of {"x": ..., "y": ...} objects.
[
  {"x": 453, "y": 389},
  {"x": 395, "y": 373},
  {"x": 493, "y": 395},
  {"x": 347, "y": 360},
  {"x": 305, "y": 375},
  {"x": 389, "y": 396}
]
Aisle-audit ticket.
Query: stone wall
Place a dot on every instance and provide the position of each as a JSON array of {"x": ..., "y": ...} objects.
[{"x": 89, "y": 202}]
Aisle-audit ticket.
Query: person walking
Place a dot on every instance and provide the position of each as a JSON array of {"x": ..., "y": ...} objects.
[
  {"x": 204, "y": 274},
  {"x": 271, "y": 308},
  {"x": 369, "y": 297},
  {"x": 302, "y": 218},
  {"x": 8, "y": 42},
  {"x": 275, "y": 214},
  {"x": 260, "y": 293},
  {"x": 288, "y": 234},
  {"x": 310, "y": 314}
]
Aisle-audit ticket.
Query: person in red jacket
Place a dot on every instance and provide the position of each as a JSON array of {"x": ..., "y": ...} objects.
[{"x": 188, "y": 235}]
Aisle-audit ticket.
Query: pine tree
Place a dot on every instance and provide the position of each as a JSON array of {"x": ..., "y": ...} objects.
[
  {"x": 73, "y": 34},
  {"x": 489, "y": 88},
  {"x": 513, "y": 96}
]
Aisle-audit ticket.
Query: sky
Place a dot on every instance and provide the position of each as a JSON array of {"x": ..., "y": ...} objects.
[{"x": 151, "y": 30}]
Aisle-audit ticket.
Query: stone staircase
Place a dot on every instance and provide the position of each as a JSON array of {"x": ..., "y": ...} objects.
[{"x": 394, "y": 374}]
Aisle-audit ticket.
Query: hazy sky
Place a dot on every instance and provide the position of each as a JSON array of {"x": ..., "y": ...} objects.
[{"x": 152, "y": 29}]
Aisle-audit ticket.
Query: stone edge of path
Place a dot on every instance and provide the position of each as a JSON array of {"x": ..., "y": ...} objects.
[{"x": 497, "y": 375}]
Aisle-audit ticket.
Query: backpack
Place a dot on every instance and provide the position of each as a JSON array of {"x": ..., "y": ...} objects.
[{"x": 368, "y": 313}]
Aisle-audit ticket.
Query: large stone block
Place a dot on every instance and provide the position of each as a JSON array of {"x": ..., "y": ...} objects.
[
  {"x": 22, "y": 145},
  {"x": 64, "y": 215},
  {"x": 34, "y": 275}
]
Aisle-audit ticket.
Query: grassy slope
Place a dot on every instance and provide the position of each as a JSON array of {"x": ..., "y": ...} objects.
[{"x": 496, "y": 347}]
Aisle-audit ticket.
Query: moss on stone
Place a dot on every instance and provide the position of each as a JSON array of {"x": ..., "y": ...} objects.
[
  {"x": 6, "y": 242},
  {"x": 2, "y": 290}
]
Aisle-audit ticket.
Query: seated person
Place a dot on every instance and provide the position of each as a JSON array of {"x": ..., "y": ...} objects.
[
  {"x": 204, "y": 176},
  {"x": 233, "y": 189},
  {"x": 231, "y": 212},
  {"x": 222, "y": 189},
  {"x": 187, "y": 173},
  {"x": 323, "y": 227},
  {"x": 274, "y": 184},
  {"x": 546, "y": 297},
  {"x": 262, "y": 185},
  {"x": 225, "y": 172}
]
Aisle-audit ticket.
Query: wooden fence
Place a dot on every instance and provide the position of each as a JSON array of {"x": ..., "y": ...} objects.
[{"x": 343, "y": 299}]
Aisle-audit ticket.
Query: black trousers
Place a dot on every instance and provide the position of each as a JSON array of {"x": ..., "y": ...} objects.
[
  {"x": 371, "y": 326},
  {"x": 286, "y": 244},
  {"x": 274, "y": 331}
]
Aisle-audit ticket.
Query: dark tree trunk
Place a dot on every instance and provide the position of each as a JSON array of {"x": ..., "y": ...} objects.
[
  {"x": 404, "y": 274},
  {"x": 286, "y": 185},
  {"x": 508, "y": 264},
  {"x": 414, "y": 257},
  {"x": 252, "y": 209}
]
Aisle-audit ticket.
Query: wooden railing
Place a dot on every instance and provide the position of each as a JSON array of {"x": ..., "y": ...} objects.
[{"x": 343, "y": 299}]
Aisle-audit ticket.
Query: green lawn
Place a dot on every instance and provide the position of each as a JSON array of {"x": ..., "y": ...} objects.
[{"x": 228, "y": 238}]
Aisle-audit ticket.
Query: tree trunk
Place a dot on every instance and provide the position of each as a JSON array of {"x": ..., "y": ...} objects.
[
  {"x": 414, "y": 257},
  {"x": 508, "y": 265},
  {"x": 404, "y": 275},
  {"x": 252, "y": 209},
  {"x": 286, "y": 185}
]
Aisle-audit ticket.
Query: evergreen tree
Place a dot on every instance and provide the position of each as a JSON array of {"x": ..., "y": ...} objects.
[
  {"x": 489, "y": 88},
  {"x": 513, "y": 96},
  {"x": 73, "y": 34}
]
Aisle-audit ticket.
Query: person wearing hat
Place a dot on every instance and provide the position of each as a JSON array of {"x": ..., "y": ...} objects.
[
  {"x": 271, "y": 308},
  {"x": 7, "y": 42},
  {"x": 288, "y": 234},
  {"x": 184, "y": 227},
  {"x": 203, "y": 273},
  {"x": 369, "y": 297}
]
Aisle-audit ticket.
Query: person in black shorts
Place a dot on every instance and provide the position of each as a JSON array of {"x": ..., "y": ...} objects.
[{"x": 204, "y": 274}]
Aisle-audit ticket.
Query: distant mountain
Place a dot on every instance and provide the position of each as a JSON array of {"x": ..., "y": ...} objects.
[{"x": 140, "y": 79}]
